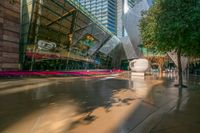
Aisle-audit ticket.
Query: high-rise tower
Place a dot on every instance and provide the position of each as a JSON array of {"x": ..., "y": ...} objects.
[{"x": 104, "y": 10}]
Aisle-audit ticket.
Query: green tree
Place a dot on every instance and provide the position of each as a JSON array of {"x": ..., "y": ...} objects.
[{"x": 173, "y": 25}]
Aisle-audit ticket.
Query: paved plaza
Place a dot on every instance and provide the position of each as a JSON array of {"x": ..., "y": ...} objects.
[{"x": 114, "y": 103}]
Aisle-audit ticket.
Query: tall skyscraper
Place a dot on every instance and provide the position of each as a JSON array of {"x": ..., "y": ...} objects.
[
  {"x": 131, "y": 3},
  {"x": 122, "y": 7},
  {"x": 120, "y": 14},
  {"x": 104, "y": 10}
]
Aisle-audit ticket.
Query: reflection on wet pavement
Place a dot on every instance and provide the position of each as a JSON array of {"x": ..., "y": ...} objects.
[
  {"x": 54, "y": 106},
  {"x": 185, "y": 116},
  {"x": 109, "y": 104}
]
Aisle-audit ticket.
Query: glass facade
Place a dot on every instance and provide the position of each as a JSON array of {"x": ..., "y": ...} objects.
[
  {"x": 62, "y": 35},
  {"x": 104, "y": 10},
  {"x": 131, "y": 3}
]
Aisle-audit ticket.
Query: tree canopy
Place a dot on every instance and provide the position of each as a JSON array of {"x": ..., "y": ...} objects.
[{"x": 172, "y": 25}]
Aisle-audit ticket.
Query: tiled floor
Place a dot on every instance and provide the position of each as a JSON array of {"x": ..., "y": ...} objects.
[{"x": 99, "y": 104}]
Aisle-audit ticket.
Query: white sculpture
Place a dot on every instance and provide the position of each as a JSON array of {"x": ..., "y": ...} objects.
[{"x": 139, "y": 65}]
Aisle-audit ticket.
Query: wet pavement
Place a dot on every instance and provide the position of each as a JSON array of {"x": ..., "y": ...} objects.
[
  {"x": 184, "y": 117},
  {"x": 99, "y": 104}
]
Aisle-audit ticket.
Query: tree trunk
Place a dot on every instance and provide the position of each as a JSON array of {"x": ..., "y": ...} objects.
[
  {"x": 180, "y": 78},
  {"x": 161, "y": 70}
]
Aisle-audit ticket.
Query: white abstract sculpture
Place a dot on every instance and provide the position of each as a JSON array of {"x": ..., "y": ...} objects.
[{"x": 139, "y": 65}]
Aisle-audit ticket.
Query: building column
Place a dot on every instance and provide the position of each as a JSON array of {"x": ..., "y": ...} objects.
[{"x": 9, "y": 34}]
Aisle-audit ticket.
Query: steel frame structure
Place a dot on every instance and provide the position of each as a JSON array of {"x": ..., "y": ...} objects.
[{"x": 64, "y": 22}]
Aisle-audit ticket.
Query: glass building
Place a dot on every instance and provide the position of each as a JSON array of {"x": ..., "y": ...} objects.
[
  {"x": 131, "y": 3},
  {"x": 122, "y": 8},
  {"x": 62, "y": 35},
  {"x": 104, "y": 10}
]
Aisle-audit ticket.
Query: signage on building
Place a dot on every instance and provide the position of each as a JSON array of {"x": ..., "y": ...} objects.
[{"x": 44, "y": 45}]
